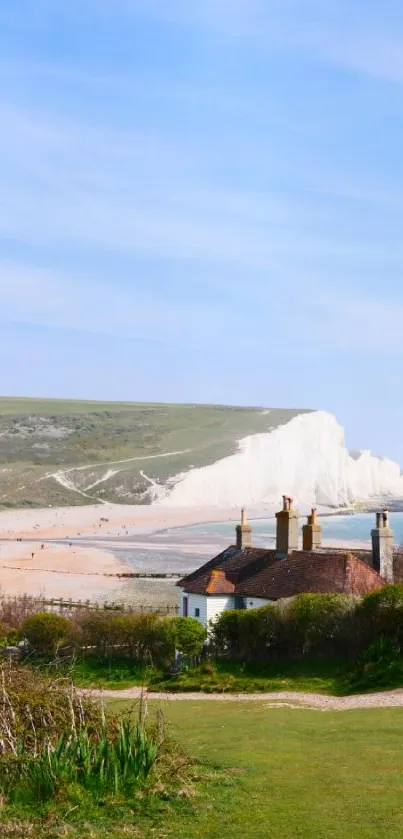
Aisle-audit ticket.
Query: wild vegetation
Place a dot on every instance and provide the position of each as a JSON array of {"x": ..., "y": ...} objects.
[
  {"x": 50, "y": 738},
  {"x": 66, "y": 768},
  {"x": 61, "y": 752},
  {"x": 41, "y": 439},
  {"x": 321, "y": 643}
]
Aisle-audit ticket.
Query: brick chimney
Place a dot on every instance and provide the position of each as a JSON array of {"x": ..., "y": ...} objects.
[
  {"x": 311, "y": 533},
  {"x": 382, "y": 547},
  {"x": 287, "y": 529},
  {"x": 243, "y": 533}
]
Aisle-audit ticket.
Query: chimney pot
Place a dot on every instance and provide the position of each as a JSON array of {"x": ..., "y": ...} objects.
[
  {"x": 311, "y": 533},
  {"x": 382, "y": 547},
  {"x": 243, "y": 532},
  {"x": 287, "y": 529}
]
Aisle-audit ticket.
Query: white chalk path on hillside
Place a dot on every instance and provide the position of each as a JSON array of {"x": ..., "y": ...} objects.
[{"x": 61, "y": 475}]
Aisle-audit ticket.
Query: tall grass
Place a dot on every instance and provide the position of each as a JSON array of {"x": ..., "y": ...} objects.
[
  {"x": 51, "y": 741},
  {"x": 112, "y": 763}
]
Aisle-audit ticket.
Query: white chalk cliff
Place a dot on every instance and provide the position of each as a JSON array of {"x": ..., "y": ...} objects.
[{"x": 305, "y": 458}]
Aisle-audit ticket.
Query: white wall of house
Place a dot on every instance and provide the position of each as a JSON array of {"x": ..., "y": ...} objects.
[
  {"x": 196, "y": 607},
  {"x": 205, "y": 608},
  {"x": 255, "y": 602},
  {"x": 217, "y": 603}
]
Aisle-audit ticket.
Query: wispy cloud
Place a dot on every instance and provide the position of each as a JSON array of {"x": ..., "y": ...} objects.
[{"x": 363, "y": 37}]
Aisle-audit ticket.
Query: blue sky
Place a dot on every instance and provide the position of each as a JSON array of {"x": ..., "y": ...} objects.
[{"x": 203, "y": 202}]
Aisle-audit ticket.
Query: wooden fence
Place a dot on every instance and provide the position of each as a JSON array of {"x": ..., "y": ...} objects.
[{"x": 60, "y": 605}]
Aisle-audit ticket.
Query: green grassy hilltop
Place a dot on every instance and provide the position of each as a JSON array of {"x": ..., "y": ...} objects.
[{"x": 59, "y": 452}]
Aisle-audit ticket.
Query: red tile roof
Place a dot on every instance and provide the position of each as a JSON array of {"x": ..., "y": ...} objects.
[
  {"x": 236, "y": 564},
  {"x": 305, "y": 571},
  {"x": 255, "y": 572}
]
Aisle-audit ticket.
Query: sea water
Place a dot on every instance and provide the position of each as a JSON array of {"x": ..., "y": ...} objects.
[
  {"x": 347, "y": 528},
  {"x": 183, "y": 549}
]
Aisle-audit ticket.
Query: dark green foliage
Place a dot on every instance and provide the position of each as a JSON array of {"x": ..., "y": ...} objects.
[
  {"x": 104, "y": 631},
  {"x": 381, "y": 614},
  {"x": 146, "y": 638},
  {"x": 253, "y": 634},
  {"x": 319, "y": 623},
  {"x": 331, "y": 625},
  {"x": 46, "y": 632}
]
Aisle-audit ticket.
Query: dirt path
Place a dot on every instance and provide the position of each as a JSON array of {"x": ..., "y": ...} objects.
[{"x": 288, "y": 699}]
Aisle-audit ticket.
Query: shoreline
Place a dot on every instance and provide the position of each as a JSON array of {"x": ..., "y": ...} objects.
[{"x": 83, "y": 544}]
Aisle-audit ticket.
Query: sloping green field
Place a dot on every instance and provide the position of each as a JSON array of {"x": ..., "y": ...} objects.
[
  {"x": 294, "y": 774},
  {"x": 58, "y": 452},
  {"x": 259, "y": 773}
]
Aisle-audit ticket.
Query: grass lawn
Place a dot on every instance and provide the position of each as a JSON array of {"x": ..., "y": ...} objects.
[
  {"x": 312, "y": 676},
  {"x": 221, "y": 676},
  {"x": 289, "y": 773},
  {"x": 259, "y": 773}
]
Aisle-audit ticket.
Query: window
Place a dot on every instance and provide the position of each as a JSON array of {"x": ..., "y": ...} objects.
[
  {"x": 185, "y": 607},
  {"x": 197, "y": 613}
]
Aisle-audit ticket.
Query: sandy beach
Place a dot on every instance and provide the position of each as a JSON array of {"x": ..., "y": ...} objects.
[
  {"x": 82, "y": 545},
  {"x": 74, "y": 568}
]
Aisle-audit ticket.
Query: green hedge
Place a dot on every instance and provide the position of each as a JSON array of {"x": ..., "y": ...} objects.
[
  {"x": 321, "y": 625},
  {"x": 148, "y": 638},
  {"x": 331, "y": 625}
]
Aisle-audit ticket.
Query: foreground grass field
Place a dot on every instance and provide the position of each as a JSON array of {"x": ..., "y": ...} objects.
[
  {"x": 290, "y": 773},
  {"x": 259, "y": 772}
]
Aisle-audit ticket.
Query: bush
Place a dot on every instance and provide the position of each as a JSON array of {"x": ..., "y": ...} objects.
[
  {"x": 156, "y": 641},
  {"x": 105, "y": 631},
  {"x": 318, "y": 624},
  {"x": 308, "y": 624},
  {"x": 380, "y": 613},
  {"x": 3, "y": 633},
  {"x": 47, "y": 632},
  {"x": 189, "y": 636},
  {"x": 145, "y": 638},
  {"x": 225, "y": 634},
  {"x": 251, "y": 635}
]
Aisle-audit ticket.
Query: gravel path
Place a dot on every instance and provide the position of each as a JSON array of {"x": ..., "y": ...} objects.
[{"x": 288, "y": 699}]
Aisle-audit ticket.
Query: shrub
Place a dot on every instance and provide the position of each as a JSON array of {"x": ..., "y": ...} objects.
[
  {"x": 3, "y": 632},
  {"x": 189, "y": 636},
  {"x": 47, "y": 632},
  {"x": 14, "y": 611},
  {"x": 225, "y": 635},
  {"x": 145, "y": 638},
  {"x": 156, "y": 640},
  {"x": 105, "y": 631},
  {"x": 310, "y": 623},
  {"x": 318, "y": 624},
  {"x": 250, "y": 634},
  {"x": 380, "y": 613}
]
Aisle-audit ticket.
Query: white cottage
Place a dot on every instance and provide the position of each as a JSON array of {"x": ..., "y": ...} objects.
[{"x": 244, "y": 577}]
